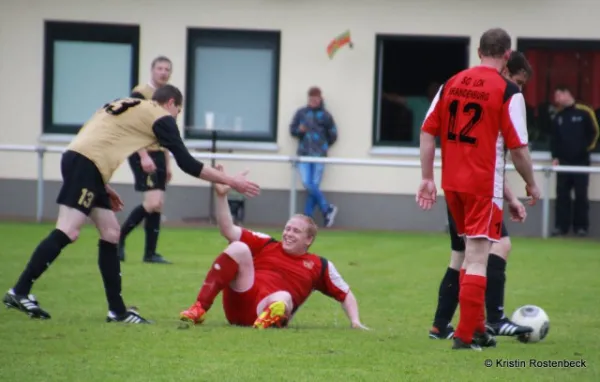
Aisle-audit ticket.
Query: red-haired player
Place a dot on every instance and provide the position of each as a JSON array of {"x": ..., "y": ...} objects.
[{"x": 265, "y": 281}]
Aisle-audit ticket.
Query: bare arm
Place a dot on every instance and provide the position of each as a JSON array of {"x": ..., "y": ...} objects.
[
  {"x": 168, "y": 136},
  {"x": 350, "y": 306},
  {"x": 228, "y": 230},
  {"x": 522, "y": 161},
  {"x": 508, "y": 194},
  {"x": 427, "y": 149}
]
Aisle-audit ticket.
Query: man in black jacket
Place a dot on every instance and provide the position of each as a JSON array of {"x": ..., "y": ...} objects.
[{"x": 574, "y": 136}]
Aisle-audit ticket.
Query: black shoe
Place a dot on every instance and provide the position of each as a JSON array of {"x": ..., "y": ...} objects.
[
  {"x": 458, "y": 344},
  {"x": 557, "y": 232},
  {"x": 130, "y": 317},
  {"x": 506, "y": 327},
  {"x": 156, "y": 258},
  {"x": 441, "y": 334},
  {"x": 121, "y": 251},
  {"x": 582, "y": 232},
  {"x": 484, "y": 340},
  {"x": 26, "y": 304}
]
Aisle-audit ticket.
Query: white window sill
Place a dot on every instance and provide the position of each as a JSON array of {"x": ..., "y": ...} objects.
[
  {"x": 193, "y": 144},
  {"x": 414, "y": 152}
]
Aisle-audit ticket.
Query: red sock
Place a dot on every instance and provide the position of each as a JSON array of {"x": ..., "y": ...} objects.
[
  {"x": 472, "y": 302},
  {"x": 481, "y": 319},
  {"x": 221, "y": 273}
]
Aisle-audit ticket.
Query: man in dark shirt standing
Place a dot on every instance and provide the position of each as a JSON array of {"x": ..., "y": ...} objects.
[{"x": 574, "y": 136}]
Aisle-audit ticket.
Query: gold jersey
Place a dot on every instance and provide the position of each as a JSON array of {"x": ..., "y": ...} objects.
[{"x": 116, "y": 131}]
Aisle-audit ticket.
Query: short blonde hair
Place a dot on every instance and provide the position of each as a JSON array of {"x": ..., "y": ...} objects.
[{"x": 312, "y": 228}]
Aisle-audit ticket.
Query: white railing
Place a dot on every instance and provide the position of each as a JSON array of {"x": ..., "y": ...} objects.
[{"x": 293, "y": 160}]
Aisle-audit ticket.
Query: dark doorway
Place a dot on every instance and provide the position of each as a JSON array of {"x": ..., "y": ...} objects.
[
  {"x": 409, "y": 71},
  {"x": 571, "y": 63}
]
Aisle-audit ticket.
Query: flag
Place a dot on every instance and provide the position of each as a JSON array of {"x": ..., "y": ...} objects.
[{"x": 339, "y": 42}]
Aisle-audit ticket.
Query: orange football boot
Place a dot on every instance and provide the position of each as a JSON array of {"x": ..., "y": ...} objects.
[
  {"x": 273, "y": 316},
  {"x": 195, "y": 314}
]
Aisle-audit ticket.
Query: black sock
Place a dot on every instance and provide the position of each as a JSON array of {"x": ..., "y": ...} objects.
[
  {"x": 152, "y": 227},
  {"x": 494, "y": 294},
  {"x": 110, "y": 269},
  {"x": 447, "y": 299},
  {"x": 135, "y": 217},
  {"x": 45, "y": 253}
]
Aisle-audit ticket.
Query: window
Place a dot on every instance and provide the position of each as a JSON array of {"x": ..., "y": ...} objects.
[
  {"x": 86, "y": 65},
  {"x": 408, "y": 74},
  {"x": 232, "y": 82},
  {"x": 573, "y": 63}
]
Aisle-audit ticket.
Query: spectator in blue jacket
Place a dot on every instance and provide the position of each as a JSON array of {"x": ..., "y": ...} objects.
[{"x": 316, "y": 132}]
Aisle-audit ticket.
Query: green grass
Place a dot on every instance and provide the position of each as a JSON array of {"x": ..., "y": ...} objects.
[{"x": 395, "y": 277}]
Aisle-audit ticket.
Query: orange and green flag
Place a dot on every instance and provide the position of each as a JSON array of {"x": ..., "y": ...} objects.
[{"x": 338, "y": 42}]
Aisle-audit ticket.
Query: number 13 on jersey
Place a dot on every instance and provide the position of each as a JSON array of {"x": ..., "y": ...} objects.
[{"x": 463, "y": 132}]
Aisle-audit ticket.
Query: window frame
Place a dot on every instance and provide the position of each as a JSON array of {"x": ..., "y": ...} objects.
[
  {"x": 234, "y": 38},
  {"x": 380, "y": 39},
  {"x": 524, "y": 43},
  {"x": 82, "y": 32}
]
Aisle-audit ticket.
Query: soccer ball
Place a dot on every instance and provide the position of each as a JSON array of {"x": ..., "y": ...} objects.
[{"x": 534, "y": 317}]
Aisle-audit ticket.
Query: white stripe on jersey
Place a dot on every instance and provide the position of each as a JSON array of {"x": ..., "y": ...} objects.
[
  {"x": 518, "y": 117},
  {"x": 336, "y": 278},
  {"x": 433, "y": 104},
  {"x": 499, "y": 170}
]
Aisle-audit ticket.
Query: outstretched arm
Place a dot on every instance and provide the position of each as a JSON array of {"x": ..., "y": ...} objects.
[
  {"x": 350, "y": 306},
  {"x": 166, "y": 131},
  {"x": 333, "y": 285},
  {"x": 228, "y": 230}
]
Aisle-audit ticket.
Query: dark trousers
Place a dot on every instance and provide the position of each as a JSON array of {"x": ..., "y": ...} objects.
[{"x": 579, "y": 214}]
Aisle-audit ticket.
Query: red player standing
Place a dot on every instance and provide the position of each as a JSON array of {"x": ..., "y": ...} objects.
[
  {"x": 476, "y": 113},
  {"x": 265, "y": 281}
]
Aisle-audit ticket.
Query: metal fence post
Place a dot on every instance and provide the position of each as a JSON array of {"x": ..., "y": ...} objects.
[
  {"x": 293, "y": 191},
  {"x": 39, "y": 213},
  {"x": 546, "y": 204}
]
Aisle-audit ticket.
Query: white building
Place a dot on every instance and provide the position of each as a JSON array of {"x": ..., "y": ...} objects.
[{"x": 62, "y": 59}]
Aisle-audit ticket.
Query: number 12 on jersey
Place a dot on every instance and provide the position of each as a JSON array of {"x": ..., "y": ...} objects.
[{"x": 471, "y": 110}]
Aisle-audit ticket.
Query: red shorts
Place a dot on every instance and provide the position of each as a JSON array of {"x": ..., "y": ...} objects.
[
  {"x": 240, "y": 307},
  {"x": 475, "y": 216}
]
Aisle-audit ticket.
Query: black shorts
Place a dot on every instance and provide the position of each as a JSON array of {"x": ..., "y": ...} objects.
[
  {"x": 83, "y": 187},
  {"x": 457, "y": 243},
  {"x": 148, "y": 182}
]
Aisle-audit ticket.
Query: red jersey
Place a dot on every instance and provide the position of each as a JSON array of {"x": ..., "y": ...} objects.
[
  {"x": 476, "y": 113},
  {"x": 297, "y": 274}
]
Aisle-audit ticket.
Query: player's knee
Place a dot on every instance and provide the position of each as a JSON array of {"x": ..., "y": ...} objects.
[
  {"x": 239, "y": 251},
  {"x": 110, "y": 233},
  {"x": 153, "y": 203},
  {"x": 457, "y": 259},
  {"x": 71, "y": 232},
  {"x": 502, "y": 248}
]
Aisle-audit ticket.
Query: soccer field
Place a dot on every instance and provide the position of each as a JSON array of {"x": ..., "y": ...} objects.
[{"x": 395, "y": 277}]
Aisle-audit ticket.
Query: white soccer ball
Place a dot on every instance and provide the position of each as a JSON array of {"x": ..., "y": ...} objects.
[{"x": 534, "y": 317}]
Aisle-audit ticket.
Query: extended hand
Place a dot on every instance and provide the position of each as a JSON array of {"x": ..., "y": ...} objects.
[{"x": 244, "y": 186}]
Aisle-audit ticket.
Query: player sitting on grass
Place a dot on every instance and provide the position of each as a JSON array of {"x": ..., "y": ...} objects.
[
  {"x": 265, "y": 281},
  {"x": 517, "y": 70}
]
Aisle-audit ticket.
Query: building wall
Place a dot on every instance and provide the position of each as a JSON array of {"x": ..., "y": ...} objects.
[{"x": 306, "y": 28}]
